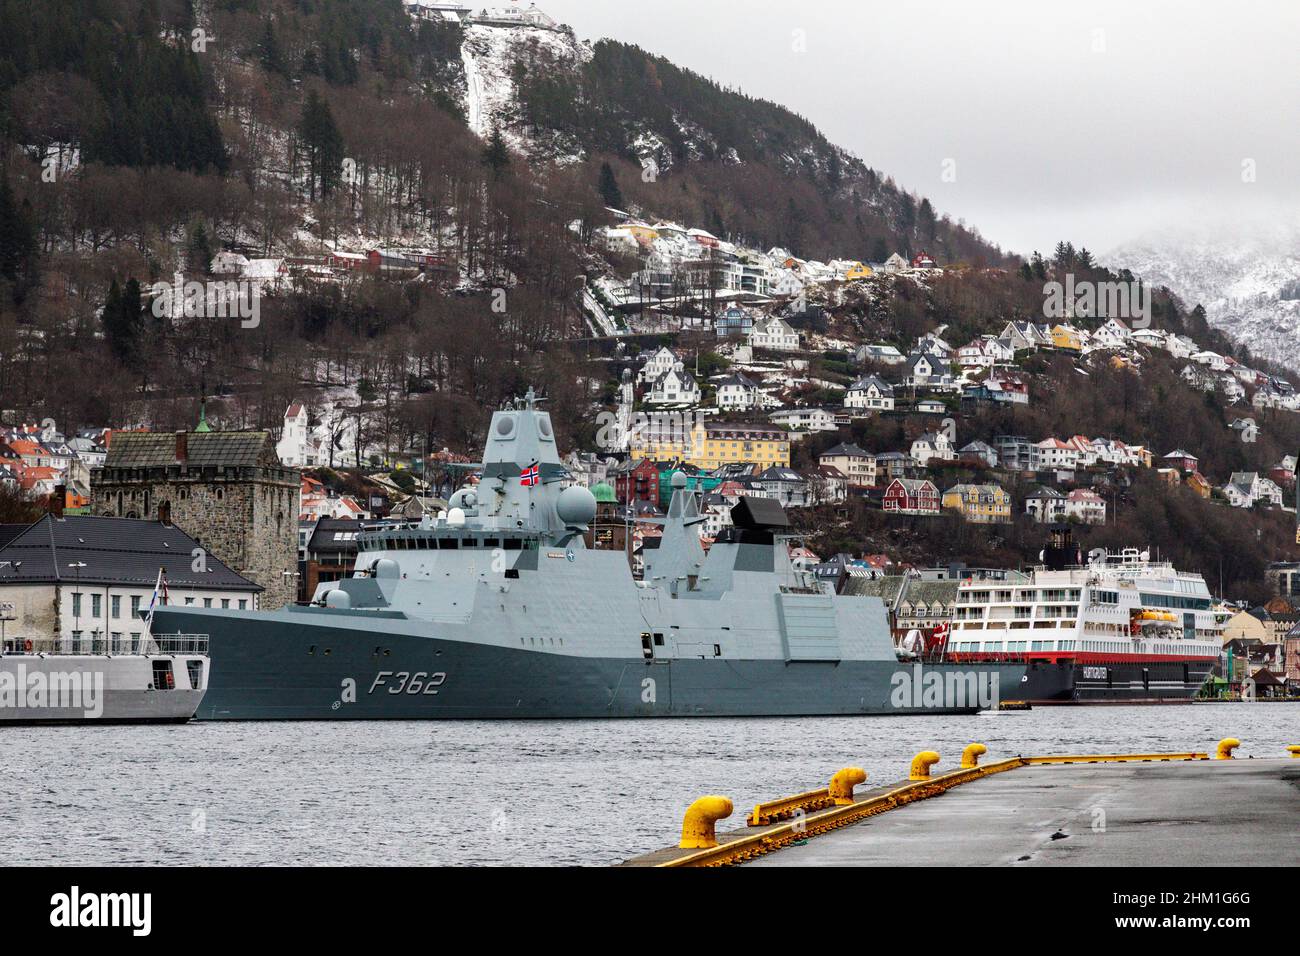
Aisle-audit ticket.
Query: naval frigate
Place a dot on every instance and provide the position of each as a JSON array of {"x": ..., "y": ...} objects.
[{"x": 498, "y": 609}]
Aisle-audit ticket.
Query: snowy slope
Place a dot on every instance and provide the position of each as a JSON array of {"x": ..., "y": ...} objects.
[
  {"x": 488, "y": 55},
  {"x": 1247, "y": 277}
]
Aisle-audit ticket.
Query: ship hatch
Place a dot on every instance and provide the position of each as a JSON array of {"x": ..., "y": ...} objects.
[
  {"x": 808, "y": 627},
  {"x": 162, "y": 676}
]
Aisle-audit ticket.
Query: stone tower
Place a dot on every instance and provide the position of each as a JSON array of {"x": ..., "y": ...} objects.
[{"x": 227, "y": 490}]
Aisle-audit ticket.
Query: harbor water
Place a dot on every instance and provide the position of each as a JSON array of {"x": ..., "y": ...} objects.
[{"x": 503, "y": 793}]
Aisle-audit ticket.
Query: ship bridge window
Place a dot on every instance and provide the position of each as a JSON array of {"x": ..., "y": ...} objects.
[
  {"x": 513, "y": 544},
  {"x": 491, "y": 542},
  {"x": 448, "y": 544}
]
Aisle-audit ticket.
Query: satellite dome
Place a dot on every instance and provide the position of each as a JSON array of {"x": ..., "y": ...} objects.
[
  {"x": 576, "y": 505},
  {"x": 679, "y": 479},
  {"x": 464, "y": 498}
]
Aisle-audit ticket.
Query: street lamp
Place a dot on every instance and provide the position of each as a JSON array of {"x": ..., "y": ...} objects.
[{"x": 76, "y": 602}]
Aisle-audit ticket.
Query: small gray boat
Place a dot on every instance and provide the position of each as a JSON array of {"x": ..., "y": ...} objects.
[{"x": 63, "y": 681}]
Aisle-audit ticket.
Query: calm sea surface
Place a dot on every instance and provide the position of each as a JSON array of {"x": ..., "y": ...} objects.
[{"x": 569, "y": 792}]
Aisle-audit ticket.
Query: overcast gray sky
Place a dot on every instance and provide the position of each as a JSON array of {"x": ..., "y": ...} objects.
[{"x": 1094, "y": 122}]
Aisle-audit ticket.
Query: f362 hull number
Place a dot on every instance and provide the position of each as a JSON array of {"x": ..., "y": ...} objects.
[{"x": 404, "y": 682}]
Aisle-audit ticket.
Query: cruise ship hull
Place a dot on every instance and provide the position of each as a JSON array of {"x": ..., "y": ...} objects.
[
  {"x": 1135, "y": 682},
  {"x": 269, "y": 667}
]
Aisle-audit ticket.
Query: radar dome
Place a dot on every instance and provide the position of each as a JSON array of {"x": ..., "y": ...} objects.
[
  {"x": 576, "y": 505},
  {"x": 465, "y": 498},
  {"x": 679, "y": 479}
]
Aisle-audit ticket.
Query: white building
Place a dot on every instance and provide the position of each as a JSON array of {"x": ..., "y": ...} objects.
[
  {"x": 656, "y": 363},
  {"x": 1086, "y": 506},
  {"x": 933, "y": 446},
  {"x": 298, "y": 447},
  {"x": 674, "y": 387},
  {"x": 85, "y": 578},
  {"x": 773, "y": 332},
  {"x": 737, "y": 393},
  {"x": 870, "y": 392}
]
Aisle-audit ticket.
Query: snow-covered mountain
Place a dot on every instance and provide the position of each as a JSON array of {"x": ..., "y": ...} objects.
[
  {"x": 1247, "y": 276},
  {"x": 490, "y": 56}
]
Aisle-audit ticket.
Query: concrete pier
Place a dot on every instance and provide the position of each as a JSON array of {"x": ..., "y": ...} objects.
[
  {"x": 1224, "y": 813},
  {"x": 1140, "y": 810}
]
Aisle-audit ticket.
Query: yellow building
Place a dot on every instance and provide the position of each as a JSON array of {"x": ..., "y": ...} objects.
[
  {"x": 712, "y": 444},
  {"x": 1064, "y": 337},
  {"x": 980, "y": 504},
  {"x": 641, "y": 232},
  {"x": 857, "y": 271}
]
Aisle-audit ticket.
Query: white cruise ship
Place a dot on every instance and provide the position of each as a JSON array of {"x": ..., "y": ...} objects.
[{"x": 1118, "y": 628}]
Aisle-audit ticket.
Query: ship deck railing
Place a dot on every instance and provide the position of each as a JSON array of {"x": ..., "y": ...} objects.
[{"x": 145, "y": 645}]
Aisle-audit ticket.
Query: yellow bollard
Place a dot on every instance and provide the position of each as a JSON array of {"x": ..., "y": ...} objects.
[
  {"x": 697, "y": 825},
  {"x": 842, "y": 784},
  {"x": 1226, "y": 746},
  {"x": 1294, "y": 751},
  {"x": 970, "y": 757},
  {"x": 921, "y": 764}
]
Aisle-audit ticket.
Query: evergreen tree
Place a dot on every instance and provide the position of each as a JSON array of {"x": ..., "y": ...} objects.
[
  {"x": 269, "y": 53},
  {"x": 1039, "y": 266},
  {"x": 121, "y": 322},
  {"x": 198, "y": 249},
  {"x": 609, "y": 191},
  {"x": 929, "y": 225},
  {"x": 17, "y": 240},
  {"x": 879, "y": 250},
  {"x": 323, "y": 143},
  {"x": 496, "y": 155}
]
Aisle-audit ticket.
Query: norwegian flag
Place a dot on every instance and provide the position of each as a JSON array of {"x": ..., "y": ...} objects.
[{"x": 530, "y": 476}]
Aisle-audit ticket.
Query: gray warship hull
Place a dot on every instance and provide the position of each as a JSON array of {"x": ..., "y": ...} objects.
[
  {"x": 497, "y": 608},
  {"x": 273, "y": 667}
]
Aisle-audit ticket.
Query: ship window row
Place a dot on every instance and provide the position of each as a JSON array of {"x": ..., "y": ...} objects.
[
  {"x": 1022, "y": 613},
  {"x": 432, "y": 543},
  {"x": 1028, "y": 596},
  {"x": 1175, "y": 601},
  {"x": 1106, "y": 597}
]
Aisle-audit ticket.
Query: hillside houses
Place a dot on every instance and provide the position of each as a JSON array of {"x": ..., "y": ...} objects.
[
  {"x": 1245, "y": 489},
  {"x": 773, "y": 332},
  {"x": 927, "y": 370},
  {"x": 883, "y": 354},
  {"x": 933, "y": 446},
  {"x": 1026, "y": 336},
  {"x": 911, "y": 496},
  {"x": 737, "y": 393},
  {"x": 856, "y": 464},
  {"x": 809, "y": 419},
  {"x": 674, "y": 387},
  {"x": 871, "y": 393},
  {"x": 985, "y": 352},
  {"x": 979, "y": 504},
  {"x": 1085, "y": 506}
]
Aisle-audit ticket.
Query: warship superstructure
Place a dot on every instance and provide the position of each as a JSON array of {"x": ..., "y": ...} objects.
[{"x": 497, "y": 609}]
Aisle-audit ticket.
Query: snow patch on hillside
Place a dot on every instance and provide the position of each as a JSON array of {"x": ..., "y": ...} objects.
[
  {"x": 489, "y": 55},
  {"x": 1246, "y": 276}
]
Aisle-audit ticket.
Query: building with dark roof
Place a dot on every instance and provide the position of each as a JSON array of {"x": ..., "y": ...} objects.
[
  {"x": 78, "y": 576},
  {"x": 227, "y": 489}
]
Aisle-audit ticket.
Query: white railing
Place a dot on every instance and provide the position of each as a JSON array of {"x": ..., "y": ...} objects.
[{"x": 105, "y": 645}]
